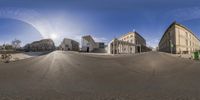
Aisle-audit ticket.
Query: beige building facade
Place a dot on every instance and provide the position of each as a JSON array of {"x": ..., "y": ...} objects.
[
  {"x": 117, "y": 46},
  {"x": 131, "y": 42},
  {"x": 69, "y": 45},
  {"x": 133, "y": 37},
  {"x": 179, "y": 40}
]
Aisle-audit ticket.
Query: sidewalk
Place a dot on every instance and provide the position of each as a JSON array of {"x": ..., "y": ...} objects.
[
  {"x": 186, "y": 56},
  {"x": 107, "y": 54},
  {"x": 24, "y": 55}
]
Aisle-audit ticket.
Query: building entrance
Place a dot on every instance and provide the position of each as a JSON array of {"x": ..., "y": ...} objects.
[
  {"x": 138, "y": 49},
  {"x": 88, "y": 49}
]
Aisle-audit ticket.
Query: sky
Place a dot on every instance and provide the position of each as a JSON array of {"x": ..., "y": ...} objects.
[{"x": 32, "y": 20}]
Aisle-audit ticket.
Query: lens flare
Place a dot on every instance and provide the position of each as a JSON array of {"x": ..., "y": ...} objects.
[{"x": 53, "y": 36}]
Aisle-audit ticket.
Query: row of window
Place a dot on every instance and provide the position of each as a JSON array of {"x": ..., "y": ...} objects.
[
  {"x": 131, "y": 40},
  {"x": 127, "y": 37},
  {"x": 189, "y": 36}
]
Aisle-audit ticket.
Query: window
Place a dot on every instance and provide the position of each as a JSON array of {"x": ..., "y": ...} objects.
[
  {"x": 136, "y": 42},
  {"x": 170, "y": 34},
  {"x": 186, "y": 34},
  {"x": 186, "y": 42}
]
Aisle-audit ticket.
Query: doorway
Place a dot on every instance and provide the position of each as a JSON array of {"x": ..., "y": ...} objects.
[
  {"x": 138, "y": 49},
  {"x": 88, "y": 49}
]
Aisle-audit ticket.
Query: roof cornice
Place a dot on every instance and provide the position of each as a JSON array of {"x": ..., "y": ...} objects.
[{"x": 178, "y": 24}]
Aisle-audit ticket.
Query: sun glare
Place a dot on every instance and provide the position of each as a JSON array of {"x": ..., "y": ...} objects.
[{"x": 53, "y": 36}]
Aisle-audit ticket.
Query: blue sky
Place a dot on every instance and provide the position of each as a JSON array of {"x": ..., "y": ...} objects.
[{"x": 30, "y": 20}]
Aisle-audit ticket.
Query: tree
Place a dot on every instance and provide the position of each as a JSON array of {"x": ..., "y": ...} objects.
[
  {"x": 8, "y": 47},
  {"x": 16, "y": 44}
]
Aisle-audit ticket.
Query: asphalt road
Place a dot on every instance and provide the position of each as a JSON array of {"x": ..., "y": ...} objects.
[{"x": 72, "y": 76}]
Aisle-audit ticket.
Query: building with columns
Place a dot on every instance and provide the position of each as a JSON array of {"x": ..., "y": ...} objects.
[
  {"x": 179, "y": 39},
  {"x": 131, "y": 42},
  {"x": 117, "y": 46}
]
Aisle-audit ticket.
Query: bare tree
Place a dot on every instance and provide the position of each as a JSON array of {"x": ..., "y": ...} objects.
[{"x": 16, "y": 43}]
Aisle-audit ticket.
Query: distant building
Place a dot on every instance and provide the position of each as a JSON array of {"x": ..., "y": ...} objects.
[
  {"x": 117, "y": 46},
  {"x": 42, "y": 45},
  {"x": 131, "y": 42},
  {"x": 89, "y": 45},
  {"x": 69, "y": 45},
  {"x": 135, "y": 38},
  {"x": 179, "y": 39},
  {"x": 100, "y": 44}
]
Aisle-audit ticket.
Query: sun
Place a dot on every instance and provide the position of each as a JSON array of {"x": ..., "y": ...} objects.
[{"x": 53, "y": 36}]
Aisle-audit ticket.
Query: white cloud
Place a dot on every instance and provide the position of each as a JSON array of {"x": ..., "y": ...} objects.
[
  {"x": 153, "y": 42},
  {"x": 100, "y": 39}
]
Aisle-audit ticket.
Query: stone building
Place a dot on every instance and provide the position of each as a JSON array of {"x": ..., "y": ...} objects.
[
  {"x": 42, "y": 45},
  {"x": 117, "y": 46},
  {"x": 179, "y": 39},
  {"x": 69, "y": 45},
  {"x": 131, "y": 42},
  {"x": 89, "y": 45},
  {"x": 135, "y": 38}
]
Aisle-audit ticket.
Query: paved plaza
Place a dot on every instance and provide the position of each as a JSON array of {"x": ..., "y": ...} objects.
[{"x": 72, "y": 76}]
